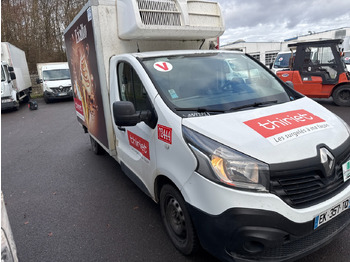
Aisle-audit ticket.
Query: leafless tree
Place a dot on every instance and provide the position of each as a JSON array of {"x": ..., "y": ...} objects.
[{"x": 37, "y": 26}]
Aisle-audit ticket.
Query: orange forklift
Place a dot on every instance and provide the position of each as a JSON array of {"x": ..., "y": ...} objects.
[{"x": 317, "y": 70}]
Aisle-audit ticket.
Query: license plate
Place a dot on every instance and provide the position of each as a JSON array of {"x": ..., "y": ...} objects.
[
  {"x": 62, "y": 94},
  {"x": 331, "y": 213},
  {"x": 346, "y": 171}
]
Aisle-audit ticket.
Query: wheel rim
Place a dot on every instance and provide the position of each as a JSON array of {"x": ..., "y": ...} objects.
[
  {"x": 345, "y": 95},
  {"x": 176, "y": 218}
]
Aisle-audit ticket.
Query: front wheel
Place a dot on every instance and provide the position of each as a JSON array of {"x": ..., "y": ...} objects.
[
  {"x": 177, "y": 220},
  {"x": 341, "y": 95},
  {"x": 47, "y": 100},
  {"x": 95, "y": 147}
]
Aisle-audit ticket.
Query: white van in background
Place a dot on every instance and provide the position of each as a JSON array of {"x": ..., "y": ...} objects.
[
  {"x": 281, "y": 62},
  {"x": 347, "y": 59},
  {"x": 55, "y": 79}
]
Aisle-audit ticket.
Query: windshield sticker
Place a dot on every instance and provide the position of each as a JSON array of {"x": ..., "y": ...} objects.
[
  {"x": 173, "y": 94},
  {"x": 281, "y": 59},
  {"x": 140, "y": 144},
  {"x": 163, "y": 66},
  {"x": 284, "y": 127},
  {"x": 165, "y": 134}
]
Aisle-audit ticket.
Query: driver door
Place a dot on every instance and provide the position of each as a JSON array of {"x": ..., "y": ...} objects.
[{"x": 135, "y": 144}]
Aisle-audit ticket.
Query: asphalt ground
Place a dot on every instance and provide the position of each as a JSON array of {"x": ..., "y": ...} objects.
[{"x": 67, "y": 204}]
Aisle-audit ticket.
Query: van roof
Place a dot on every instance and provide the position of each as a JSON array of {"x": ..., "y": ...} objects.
[{"x": 180, "y": 52}]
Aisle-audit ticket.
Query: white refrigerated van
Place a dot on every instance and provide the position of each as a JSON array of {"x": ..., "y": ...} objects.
[{"x": 239, "y": 162}]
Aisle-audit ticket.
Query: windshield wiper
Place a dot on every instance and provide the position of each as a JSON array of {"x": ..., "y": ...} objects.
[
  {"x": 199, "y": 109},
  {"x": 256, "y": 104},
  {"x": 204, "y": 110}
]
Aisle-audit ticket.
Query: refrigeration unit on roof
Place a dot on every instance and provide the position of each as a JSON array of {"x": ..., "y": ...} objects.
[{"x": 169, "y": 19}]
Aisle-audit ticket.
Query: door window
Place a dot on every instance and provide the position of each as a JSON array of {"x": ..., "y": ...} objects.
[{"x": 131, "y": 88}]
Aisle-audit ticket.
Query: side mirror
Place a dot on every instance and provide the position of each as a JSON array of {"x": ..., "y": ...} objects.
[
  {"x": 12, "y": 75},
  {"x": 271, "y": 64},
  {"x": 124, "y": 114},
  {"x": 39, "y": 81},
  {"x": 10, "y": 68}
]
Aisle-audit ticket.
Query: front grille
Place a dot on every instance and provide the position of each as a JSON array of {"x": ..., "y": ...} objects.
[
  {"x": 58, "y": 90},
  {"x": 301, "y": 188}
]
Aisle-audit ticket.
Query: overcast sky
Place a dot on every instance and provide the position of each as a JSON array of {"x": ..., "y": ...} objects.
[{"x": 277, "y": 20}]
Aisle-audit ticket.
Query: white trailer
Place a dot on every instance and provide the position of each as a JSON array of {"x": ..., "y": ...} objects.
[
  {"x": 20, "y": 88},
  {"x": 238, "y": 161}
]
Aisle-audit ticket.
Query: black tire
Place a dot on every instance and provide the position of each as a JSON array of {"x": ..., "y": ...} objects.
[
  {"x": 47, "y": 100},
  {"x": 27, "y": 98},
  {"x": 177, "y": 220},
  {"x": 341, "y": 95},
  {"x": 95, "y": 147}
]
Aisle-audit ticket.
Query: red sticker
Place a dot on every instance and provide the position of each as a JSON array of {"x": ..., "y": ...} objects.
[
  {"x": 79, "y": 108},
  {"x": 139, "y": 144},
  {"x": 272, "y": 125},
  {"x": 163, "y": 66},
  {"x": 165, "y": 134}
]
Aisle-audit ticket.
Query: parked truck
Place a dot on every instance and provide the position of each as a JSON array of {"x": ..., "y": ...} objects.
[
  {"x": 15, "y": 87},
  {"x": 239, "y": 162},
  {"x": 55, "y": 80}
]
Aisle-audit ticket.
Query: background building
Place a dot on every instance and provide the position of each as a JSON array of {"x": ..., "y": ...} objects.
[{"x": 266, "y": 52}]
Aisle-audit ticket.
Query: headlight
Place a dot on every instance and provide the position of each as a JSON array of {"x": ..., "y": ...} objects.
[
  {"x": 224, "y": 165},
  {"x": 45, "y": 87}
]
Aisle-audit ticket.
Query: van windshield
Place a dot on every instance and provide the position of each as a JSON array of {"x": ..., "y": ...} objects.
[
  {"x": 282, "y": 60},
  {"x": 56, "y": 74},
  {"x": 347, "y": 57},
  {"x": 214, "y": 82}
]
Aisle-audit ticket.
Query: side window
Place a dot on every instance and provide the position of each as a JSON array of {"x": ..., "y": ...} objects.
[
  {"x": 2, "y": 74},
  {"x": 131, "y": 88}
]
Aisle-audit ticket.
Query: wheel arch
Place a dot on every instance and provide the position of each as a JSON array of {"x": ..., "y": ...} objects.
[
  {"x": 341, "y": 101},
  {"x": 338, "y": 86},
  {"x": 159, "y": 182}
]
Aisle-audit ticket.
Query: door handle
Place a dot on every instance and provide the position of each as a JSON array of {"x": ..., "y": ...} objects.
[{"x": 121, "y": 128}]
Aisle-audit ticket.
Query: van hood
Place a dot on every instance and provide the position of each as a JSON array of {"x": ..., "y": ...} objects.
[{"x": 275, "y": 134}]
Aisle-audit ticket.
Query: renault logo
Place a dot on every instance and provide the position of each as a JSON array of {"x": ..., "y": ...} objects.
[{"x": 327, "y": 160}]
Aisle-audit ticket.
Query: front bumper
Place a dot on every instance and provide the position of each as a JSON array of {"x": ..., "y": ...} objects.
[
  {"x": 8, "y": 103},
  {"x": 58, "y": 95},
  {"x": 241, "y": 234}
]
